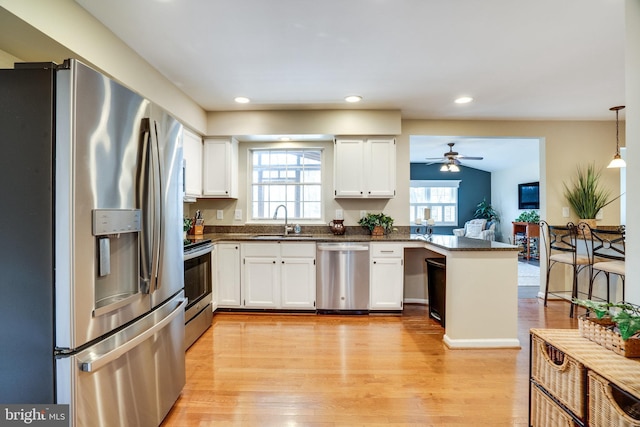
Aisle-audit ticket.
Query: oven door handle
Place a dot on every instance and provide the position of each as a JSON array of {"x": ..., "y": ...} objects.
[
  {"x": 198, "y": 252},
  {"x": 98, "y": 362}
]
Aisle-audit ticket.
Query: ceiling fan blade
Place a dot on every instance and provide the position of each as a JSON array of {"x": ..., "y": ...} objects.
[
  {"x": 436, "y": 158},
  {"x": 470, "y": 158}
]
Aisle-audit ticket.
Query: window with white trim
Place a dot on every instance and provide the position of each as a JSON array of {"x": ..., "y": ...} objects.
[
  {"x": 440, "y": 196},
  {"x": 290, "y": 177}
]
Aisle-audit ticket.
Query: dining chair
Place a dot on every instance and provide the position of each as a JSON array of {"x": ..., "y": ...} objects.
[
  {"x": 606, "y": 251},
  {"x": 560, "y": 243}
]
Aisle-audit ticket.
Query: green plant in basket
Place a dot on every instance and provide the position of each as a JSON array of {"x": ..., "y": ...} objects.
[
  {"x": 370, "y": 220},
  {"x": 186, "y": 224},
  {"x": 624, "y": 315}
]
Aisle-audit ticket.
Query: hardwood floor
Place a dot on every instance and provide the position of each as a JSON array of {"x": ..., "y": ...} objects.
[{"x": 327, "y": 370}]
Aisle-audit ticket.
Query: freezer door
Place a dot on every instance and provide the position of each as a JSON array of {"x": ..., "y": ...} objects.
[
  {"x": 132, "y": 378},
  {"x": 166, "y": 132}
]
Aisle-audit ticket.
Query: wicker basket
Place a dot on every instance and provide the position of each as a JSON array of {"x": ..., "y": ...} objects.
[
  {"x": 560, "y": 374},
  {"x": 545, "y": 413},
  {"x": 601, "y": 332},
  {"x": 608, "y": 407}
]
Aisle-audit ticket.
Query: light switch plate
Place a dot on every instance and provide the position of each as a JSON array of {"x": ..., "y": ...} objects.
[
  {"x": 237, "y": 214},
  {"x": 565, "y": 212},
  {"x": 219, "y": 214},
  {"x": 339, "y": 214},
  {"x": 599, "y": 215},
  {"x": 363, "y": 214}
]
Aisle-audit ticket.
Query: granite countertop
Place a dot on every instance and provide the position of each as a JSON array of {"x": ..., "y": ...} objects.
[{"x": 448, "y": 242}]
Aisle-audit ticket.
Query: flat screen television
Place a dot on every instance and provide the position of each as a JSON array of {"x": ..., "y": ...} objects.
[{"x": 529, "y": 195}]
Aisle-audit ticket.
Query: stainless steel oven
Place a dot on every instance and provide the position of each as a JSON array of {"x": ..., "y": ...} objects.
[{"x": 197, "y": 288}]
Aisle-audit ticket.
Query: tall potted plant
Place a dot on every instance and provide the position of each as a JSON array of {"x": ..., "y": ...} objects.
[
  {"x": 484, "y": 210},
  {"x": 586, "y": 195}
]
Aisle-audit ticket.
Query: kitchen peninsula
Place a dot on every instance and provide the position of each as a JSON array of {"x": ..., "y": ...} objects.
[{"x": 481, "y": 276}]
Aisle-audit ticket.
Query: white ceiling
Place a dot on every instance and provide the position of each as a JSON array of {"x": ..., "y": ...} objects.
[{"x": 543, "y": 59}]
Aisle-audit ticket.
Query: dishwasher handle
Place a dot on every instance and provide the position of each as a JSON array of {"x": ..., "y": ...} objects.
[{"x": 350, "y": 247}]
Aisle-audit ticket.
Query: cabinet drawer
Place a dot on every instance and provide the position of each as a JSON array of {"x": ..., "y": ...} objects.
[
  {"x": 546, "y": 413},
  {"x": 560, "y": 374},
  {"x": 298, "y": 250},
  {"x": 260, "y": 249},
  {"x": 386, "y": 250},
  {"x": 609, "y": 406}
]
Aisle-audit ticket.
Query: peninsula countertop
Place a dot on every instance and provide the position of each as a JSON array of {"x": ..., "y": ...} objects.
[{"x": 448, "y": 242}]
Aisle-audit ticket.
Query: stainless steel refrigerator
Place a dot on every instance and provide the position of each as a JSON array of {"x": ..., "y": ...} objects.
[{"x": 91, "y": 283}]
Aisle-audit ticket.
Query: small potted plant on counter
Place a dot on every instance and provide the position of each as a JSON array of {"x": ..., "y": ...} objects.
[
  {"x": 377, "y": 224},
  {"x": 186, "y": 226}
]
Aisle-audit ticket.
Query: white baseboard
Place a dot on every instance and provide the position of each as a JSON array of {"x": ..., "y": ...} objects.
[{"x": 481, "y": 343}]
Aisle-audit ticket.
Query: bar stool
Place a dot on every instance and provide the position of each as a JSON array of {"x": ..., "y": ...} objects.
[
  {"x": 606, "y": 249},
  {"x": 561, "y": 248}
]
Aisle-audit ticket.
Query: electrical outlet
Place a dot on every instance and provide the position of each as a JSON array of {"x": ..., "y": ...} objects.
[
  {"x": 219, "y": 214},
  {"x": 339, "y": 214},
  {"x": 237, "y": 214},
  {"x": 565, "y": 212},
  {"x": 363, "y": 214}
]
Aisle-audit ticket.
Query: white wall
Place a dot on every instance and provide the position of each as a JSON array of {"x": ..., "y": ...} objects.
[
  {"x": 632, "y": 101},
  {"x": 504, "y": 192}
]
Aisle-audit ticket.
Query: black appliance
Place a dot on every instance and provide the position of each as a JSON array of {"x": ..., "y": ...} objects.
[{"x": 437, "y": 288}]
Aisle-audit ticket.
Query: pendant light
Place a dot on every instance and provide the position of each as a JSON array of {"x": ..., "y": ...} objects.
[{"x": 617, "y": 161}]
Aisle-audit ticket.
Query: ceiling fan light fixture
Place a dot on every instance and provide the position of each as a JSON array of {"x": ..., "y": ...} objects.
[
  {"x": 444, "y": 168},
  {"x": 454, "y": 168},
  {"x": 617, "y": 161}
]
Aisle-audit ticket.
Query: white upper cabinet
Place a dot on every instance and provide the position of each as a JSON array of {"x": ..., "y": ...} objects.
[
  {"x": 365, "y": 168},
  {"x": 192, "y": 154},
  {"x": 220, "y": 168}
]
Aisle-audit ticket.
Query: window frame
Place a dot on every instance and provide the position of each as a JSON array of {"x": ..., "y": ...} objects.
[
  {"x": 251, "y": 218},
  {"x": 435, "y": 183}
]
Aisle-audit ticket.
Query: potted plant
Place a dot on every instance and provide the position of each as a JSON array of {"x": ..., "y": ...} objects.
[
  {"x": 484, "y": 210},
  {"x": 377, "y": 224},
  {"x": 612, "y": 322},
  {"x": 529, "y": 216},
  {"x": 586, "y": 195},
  {"x": 186, "y": 226}
]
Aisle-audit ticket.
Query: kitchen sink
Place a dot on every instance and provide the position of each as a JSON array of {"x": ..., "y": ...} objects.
[{"x": 283, "y": 237}]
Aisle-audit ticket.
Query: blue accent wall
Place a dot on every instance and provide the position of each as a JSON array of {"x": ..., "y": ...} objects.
[{"x": 475, "y": 185}]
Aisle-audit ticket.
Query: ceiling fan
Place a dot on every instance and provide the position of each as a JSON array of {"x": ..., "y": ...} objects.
[{"x": 451, "y": 159}]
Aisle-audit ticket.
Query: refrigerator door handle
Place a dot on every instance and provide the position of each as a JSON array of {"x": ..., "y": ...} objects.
[
  {"x": 99, "y": 361},
  {"x": 156, "y": 196},
  {"x": 142, "y": 192}
]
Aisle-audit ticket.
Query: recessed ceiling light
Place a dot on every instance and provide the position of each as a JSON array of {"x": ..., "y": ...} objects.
[
  {"x": 463, "y": 100},
  {"x": 353, "y": 98},
  {"x": 242, "y": 99}
]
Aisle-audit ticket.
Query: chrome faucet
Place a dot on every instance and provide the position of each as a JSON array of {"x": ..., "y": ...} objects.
[{"x": 287, "y": 228}]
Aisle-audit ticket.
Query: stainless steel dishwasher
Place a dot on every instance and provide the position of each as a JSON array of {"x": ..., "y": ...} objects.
[{"x": 342, "y": 277}]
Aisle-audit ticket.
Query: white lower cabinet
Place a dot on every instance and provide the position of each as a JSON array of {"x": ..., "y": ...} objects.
[
  {"x": 298, "y": 280},
  {"x": 227, "y": 278},
  {"x": 386, "y": 276},
  {"x": 279, "y": 275},
  {"x": 260, "y": 275}
]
